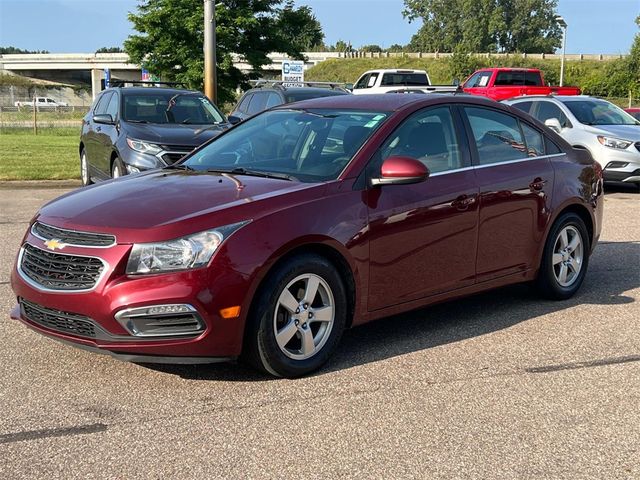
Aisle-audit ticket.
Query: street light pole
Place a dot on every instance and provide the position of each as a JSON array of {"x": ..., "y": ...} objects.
[
  {"x": 563, "y": 25},
  {"x": 210, "y": 83}
]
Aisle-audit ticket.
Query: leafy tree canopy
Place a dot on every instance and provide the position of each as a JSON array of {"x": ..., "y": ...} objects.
[
  {"x": 371, "y": 48},
  {"x": 9, "y": 50},
  {"x": 109, "y": 50},
  {"x": 478, "y": 26},
  {"x": 171, "y": 35}
]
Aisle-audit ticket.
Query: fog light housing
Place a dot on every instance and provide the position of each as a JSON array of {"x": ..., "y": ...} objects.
[
  {"x": 131, "y": 169},
  {"x": 170, "y": 320}
]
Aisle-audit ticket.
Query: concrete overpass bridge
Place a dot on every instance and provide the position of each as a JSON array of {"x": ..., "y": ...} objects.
[{"x": 88, "y": 68}]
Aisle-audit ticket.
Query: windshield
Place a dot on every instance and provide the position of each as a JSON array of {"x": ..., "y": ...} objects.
[
  {"x": 599, "y": 112},
  {"x": 170, "y": 108},
  {"x": 308, "y": 145}
]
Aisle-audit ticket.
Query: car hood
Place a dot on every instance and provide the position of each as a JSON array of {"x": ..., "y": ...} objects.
[
  {"x": 625, "y": 132},
  {"x": 174, "y": 134},
  {"x": 165, "y": 204}
]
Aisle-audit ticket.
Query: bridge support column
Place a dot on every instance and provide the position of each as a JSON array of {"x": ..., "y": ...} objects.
[{"x": 96, "y": 76}]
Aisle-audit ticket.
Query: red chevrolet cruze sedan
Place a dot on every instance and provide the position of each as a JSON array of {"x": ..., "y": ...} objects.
[{"x": 271, "y": 239}]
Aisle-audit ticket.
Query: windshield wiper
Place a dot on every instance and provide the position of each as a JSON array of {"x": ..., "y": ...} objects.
[{"x": 254, "y": 173}]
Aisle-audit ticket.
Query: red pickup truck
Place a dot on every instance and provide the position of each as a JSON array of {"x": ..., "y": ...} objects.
[{"x": 502, "y": 83}]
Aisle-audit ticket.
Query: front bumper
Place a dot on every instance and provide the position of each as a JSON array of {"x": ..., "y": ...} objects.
[
  {"x": 208, "y": 290},
  {"x": 620, "y": 165}
]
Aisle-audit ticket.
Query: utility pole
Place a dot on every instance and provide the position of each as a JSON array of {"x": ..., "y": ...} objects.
[{"x": 210, "y": 81}]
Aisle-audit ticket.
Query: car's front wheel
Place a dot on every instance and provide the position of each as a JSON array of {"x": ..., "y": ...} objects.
[
  {"x": 117, "y": 169},
  {"x": 565, "y": 258},
  {"x": 298, "y": 317}
]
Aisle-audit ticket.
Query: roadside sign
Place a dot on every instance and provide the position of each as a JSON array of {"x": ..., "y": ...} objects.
[
  {"x": 145, "y": 75},
  {"x": 107, "y": 77},
  {"x": 292, "y": 73}
]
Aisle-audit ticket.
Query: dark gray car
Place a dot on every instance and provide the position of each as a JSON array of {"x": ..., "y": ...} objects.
[
  {"x": 132, "y": 129},
  {"x": 268, "y": 94}
]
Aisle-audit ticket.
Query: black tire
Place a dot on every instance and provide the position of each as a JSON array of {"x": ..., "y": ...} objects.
[
  {"x": 547, "y": 281},
  {"x": 85, "y": 176},
  {"x": 118, "y": 167},
  {"x": 261, "y": 349}
]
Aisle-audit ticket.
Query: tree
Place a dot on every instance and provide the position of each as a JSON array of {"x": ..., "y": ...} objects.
[
  {"x": 109, "y": 50},
  {"x": 169, "y": 43},
  {"x": 484, "y": 25},
  {"x": 371, "y": 48},
  {"x": 396, "y": 47},
  {"x": 9, "y": 50},
  {"x": 633, "y": 63},
  {"x": 342, "y": 46}
]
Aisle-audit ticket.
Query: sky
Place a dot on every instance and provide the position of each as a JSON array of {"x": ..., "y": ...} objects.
[{"x": 79, "y": 26}]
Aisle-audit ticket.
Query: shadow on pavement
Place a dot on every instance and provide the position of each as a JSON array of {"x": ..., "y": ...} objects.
[{"x": 614, "y": 269}]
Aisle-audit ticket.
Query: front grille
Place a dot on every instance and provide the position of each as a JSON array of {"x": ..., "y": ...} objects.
[
  {"x": 72, "y": 237},
  {"x": 58, "y": 320},
  {"x": 56, "y": 271}
]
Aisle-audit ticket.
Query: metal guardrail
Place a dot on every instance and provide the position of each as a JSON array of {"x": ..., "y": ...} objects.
[{"x": 29, "y": 108}]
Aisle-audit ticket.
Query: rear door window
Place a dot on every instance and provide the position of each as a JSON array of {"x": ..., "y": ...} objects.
[
  {"x": 497, "y": 136},
  {"x": 524, "y": 106}
]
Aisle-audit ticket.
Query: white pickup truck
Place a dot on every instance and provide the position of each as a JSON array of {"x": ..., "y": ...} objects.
[
  {"x": 391, "y": 80},
  {"x": 41, "y": 102}
]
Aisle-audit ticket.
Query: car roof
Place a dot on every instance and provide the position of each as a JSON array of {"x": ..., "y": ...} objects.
[
  {"x": 293, "y": 90},
  {"x": 387, "y": 102},
  {"x": 151, "y": 90}
]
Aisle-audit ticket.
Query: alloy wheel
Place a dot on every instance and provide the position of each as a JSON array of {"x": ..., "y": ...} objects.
[
  {"x": 304, "y": 316},
  {"x": 568, "y": 256}
]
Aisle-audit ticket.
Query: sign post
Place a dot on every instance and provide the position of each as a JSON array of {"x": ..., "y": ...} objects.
[
  {"x": 107, "y": 77},
  {"x": 292, "y": 73}
]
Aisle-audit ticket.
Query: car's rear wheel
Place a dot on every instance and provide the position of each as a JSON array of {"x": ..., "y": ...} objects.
[
  {"x": 565, "y": 258},
  {"x": 117, "y": 168},
  {"x": 84, "y": 168},
  {"x": 298, "y": 317}
]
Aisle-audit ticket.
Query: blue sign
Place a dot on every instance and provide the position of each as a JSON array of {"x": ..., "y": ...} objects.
[{"x": 107, "y": 77}]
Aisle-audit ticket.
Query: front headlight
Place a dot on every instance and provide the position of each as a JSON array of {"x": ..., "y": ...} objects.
[
  {"x": 143, "y": 147},
  {"x": 614, "y": 142},
  {"x": 183, "y": 253}
]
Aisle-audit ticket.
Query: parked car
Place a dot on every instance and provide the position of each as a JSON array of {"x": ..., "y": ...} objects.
[
  {"x": 634, "y": 112},
  {"x": 41, "y": 102},
  {"x": 132, "y": 129},
  {"x": 387, "y": 80},
  {"x": 605, "y": 130},
  {"x": 502, "y": 83},
  {"x": 304, "y": 220},
  {"x": 268, "y": 94}
]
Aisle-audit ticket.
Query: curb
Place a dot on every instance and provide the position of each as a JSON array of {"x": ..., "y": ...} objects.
[{"x": 35, "y": 184}]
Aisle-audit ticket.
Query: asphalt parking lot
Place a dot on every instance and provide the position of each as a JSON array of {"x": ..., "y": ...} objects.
[{"x": 500, "y": 385}]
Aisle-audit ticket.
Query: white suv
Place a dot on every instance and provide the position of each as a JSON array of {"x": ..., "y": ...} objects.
[{"x": 608, "y": 132}]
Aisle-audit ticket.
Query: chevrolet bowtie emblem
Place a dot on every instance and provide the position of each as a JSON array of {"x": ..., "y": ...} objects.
[{"x": 53, "y": 244}]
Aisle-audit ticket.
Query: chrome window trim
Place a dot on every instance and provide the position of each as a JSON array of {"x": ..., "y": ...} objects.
[
  {"x": 42, "y": 288},
  {"x": 33, "y": 232},
  {"x": 495, "y": 164}
]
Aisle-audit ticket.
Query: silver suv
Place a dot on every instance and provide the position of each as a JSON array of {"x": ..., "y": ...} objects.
[{"x": 608, "y": 132}]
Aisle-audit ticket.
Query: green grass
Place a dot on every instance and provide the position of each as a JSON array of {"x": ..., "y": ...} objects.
[{"x": 50, "y": 155}]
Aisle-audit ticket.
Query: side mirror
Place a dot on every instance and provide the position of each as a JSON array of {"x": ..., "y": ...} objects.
[
  {"x": 553, "y": 124},
  {"x": 456, "y": 82},
  {"x": 233, "y": 120},
  {"x": 348, "y": 86},
  {"x": 104, "y": 118},
  {"x": 399, "y": 170}
]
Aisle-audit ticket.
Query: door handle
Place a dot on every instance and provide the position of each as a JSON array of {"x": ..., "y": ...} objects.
[
  {"x": 537, "y": 184},
  {"x": 463, "y": 202}
]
